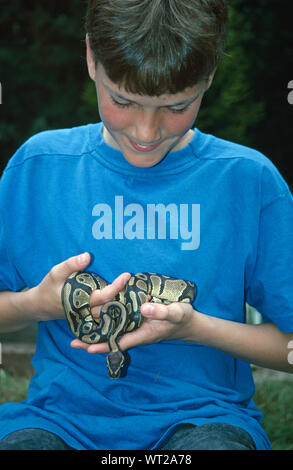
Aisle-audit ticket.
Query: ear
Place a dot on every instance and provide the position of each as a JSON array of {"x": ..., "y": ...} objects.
[
  {"x": 210, "y": 79},
  {"x": 90, "y": 60}
]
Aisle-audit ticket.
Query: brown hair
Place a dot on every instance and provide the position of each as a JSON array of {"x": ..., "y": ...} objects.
[{"x": 152, "y": 47}]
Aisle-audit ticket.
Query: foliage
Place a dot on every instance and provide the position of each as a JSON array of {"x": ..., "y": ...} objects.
[
  {"x": 274, "y": 398},
  {"x": 42, "y": 69},
  {"x": 12, "y": 388},
  {"x": 229, "y": 109},
  {"x": 267, "y": 42}
]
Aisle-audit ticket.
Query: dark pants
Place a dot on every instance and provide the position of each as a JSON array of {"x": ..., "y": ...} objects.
[{"x": 212, "y": 436}]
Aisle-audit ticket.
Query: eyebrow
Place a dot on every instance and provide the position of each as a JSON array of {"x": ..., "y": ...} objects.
[{"x": 181, "y": 103}]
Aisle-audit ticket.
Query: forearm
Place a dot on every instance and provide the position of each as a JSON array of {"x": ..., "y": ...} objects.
[
  {"x": 42, "y": 302},
  {"x": 17, "y": 310},
  {"x": 264, "y": 345}
]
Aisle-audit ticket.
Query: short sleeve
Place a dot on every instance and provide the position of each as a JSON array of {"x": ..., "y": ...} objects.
[
  {"x": 9, "y": 278},
  {"x": 270, "y": 288}
]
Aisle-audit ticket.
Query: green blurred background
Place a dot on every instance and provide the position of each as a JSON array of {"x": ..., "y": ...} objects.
[{"x": 45, "y": 83}]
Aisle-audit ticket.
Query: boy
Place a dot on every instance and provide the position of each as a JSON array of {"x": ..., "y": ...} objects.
[{"x": 144, "y": 192}]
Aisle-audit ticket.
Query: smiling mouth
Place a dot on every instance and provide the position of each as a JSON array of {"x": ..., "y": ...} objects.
[{"x": 144, "y": 148}]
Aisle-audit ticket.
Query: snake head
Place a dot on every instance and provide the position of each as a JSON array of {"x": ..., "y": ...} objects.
[{"x": 115, "y": 362}]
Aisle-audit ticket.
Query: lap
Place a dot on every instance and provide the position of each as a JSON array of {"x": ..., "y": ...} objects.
[
  {"x": 211, "y": 436},
  {"x": 32, "y": 439}
]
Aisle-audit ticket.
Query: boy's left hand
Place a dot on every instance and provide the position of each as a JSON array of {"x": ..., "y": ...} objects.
[{"x": 161, "y": 323}]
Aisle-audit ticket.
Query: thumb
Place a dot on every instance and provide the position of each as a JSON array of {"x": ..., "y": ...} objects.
[{"x": 75, "y": 263}]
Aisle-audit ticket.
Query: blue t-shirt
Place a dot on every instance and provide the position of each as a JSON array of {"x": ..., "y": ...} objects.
[{"x": 215, "y": 213}]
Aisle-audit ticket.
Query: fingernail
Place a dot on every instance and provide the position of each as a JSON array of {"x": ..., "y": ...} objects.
[
  {"x": 147, "y": 310},
  {"x": 82, "y": 258}
]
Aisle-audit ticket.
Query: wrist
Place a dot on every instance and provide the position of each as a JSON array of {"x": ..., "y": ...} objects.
[
  {"x": 196, "y": 331},
  {"x": 25, "y": 304}
]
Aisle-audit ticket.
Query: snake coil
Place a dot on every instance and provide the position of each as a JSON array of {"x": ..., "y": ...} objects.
[{"x": 121, "y": 314}]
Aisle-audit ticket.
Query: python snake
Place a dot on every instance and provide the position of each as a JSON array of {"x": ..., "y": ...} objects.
[{"x": 120, "y": 315}]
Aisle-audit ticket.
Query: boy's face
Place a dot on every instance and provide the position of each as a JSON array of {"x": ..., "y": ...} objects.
[{"x": 145, "y": 128}]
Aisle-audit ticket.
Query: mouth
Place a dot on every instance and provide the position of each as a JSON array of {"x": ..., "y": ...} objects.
[{"x": 144, "y": 148}]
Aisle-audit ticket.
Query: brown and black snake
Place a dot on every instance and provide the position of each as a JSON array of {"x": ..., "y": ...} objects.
[{"x": 120, "y": 315}]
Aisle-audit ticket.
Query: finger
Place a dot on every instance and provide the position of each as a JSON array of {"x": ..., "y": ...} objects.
[
  {"x": 90, "y": 348},
  {"x": 173, "y": 312},
  {"x": 96, "y": 311},
  {"x": 135, "y": 338},
  {"x": 154, "y": 310},
  {"x": 99, "y": 297},
  {"x": 62, "y": 270},
  {"x": 77, "y": 344}
]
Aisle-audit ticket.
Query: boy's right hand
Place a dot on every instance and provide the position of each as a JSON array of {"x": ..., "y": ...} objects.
[{"x": 46, "y": 296}]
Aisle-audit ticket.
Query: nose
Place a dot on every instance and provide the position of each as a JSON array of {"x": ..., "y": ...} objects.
[{"x": 148, "y": 127}]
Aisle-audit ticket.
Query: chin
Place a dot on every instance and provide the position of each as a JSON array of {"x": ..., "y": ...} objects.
[
  {"x": 140, "y": 159},
  {"x": 142, "y": 164}
]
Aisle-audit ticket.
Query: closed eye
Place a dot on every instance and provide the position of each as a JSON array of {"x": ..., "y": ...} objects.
[
  {"x": 174, "y": 109},
  {"x": 121, "y": 104},
  {"x": 179, "y": 109}
]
